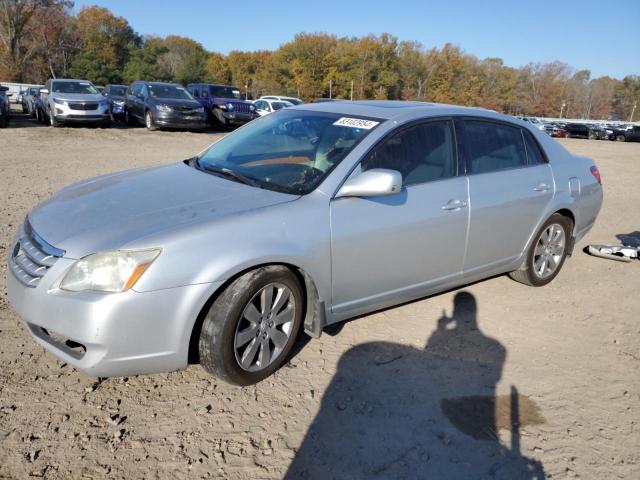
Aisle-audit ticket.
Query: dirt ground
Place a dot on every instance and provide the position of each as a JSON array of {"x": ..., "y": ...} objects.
[{"x": 417, "y": 391}]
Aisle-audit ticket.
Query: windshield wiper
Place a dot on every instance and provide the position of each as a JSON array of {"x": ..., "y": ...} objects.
[{"x": 228, "y": 173}]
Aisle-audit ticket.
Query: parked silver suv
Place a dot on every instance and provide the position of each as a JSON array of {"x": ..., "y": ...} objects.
[
  {"x": 299, "y": 219},
  {"x": 74, "y": 101}
]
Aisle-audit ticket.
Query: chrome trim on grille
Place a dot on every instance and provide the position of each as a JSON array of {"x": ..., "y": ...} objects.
[{"x": 32, "y": 256}]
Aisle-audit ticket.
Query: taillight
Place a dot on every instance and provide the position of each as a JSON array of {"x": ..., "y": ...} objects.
[{"x": 596, "y": 174}]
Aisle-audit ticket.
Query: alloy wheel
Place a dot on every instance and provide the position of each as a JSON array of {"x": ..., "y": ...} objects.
[
  {"x": 265, "y": 327},
  {"x": 549, "y": 251}
]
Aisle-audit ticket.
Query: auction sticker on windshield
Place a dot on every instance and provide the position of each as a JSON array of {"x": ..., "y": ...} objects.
[{"x": 356, "y": 123}]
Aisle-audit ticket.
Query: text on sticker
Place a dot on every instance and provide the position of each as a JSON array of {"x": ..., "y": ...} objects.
[{"x": 356, "y": 123}]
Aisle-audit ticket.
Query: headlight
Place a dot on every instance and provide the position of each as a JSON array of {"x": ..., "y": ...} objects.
[
  {"x": 252, "y": 108},
  {"x": 59, "y": 102},
  {"x": 119, "y": 103},
  {"x": 103, "y": 104},
  {"x": 200, "y": 109},
  {"x": 222, "y": 107},
  {"x": 163, "y": 108},
  {"x": 229, "y": 106},
  {"x": 108, "y": 272}
]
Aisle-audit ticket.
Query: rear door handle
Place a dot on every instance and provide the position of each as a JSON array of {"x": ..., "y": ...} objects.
[
  {"x": 454, "y": 205},
  {"x": 542, "y": 187}
]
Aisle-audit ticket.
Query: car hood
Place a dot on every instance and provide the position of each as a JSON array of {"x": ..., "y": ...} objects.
[
  {"x": 173, "y": 102},
  {"x": 78, "y": 97},
  {"x": 106, "y": 213}
]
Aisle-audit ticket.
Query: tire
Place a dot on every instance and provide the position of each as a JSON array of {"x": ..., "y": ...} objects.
[
  {"x": 54, "y": 123},
  {"x": 621, "y": 138},
  {"x": 555, "y": 253},
  {"x": 25, "y": 109},
  {"x": 3, "y": 121},
  {"x": 105, "y": 123},
  {"x": 148, "y": 121},
  {"x": 227, "y": 346}
]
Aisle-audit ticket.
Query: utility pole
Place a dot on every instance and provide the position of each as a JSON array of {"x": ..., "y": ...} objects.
[
  {"x": 246, "y": 90},
  {"x": 352, "y": 90},
  {"x": 330, "y": 85},
  {"x": 633, "y": 110},
  {"x": 562, "y": 109}
]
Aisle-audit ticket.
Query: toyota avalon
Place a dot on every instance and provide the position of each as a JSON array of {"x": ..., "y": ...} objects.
[{"x": 300, "y": 219}]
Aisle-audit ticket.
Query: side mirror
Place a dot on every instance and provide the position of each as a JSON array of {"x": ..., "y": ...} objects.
[
  {"x": 44, "y": 91},
  {"x": 372, "y": 183}
]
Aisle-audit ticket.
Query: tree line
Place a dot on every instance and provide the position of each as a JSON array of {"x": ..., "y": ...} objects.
[{"x": 41, "y": 39}]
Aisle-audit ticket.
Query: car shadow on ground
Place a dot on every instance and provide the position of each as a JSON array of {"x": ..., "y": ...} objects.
[{"x": 394, "y": 411}]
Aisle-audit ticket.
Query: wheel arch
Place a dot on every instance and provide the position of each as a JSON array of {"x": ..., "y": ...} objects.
[{"x": 314, "y": 314}]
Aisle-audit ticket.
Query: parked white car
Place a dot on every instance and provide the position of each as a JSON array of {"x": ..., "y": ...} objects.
[
  {"x": 294, "y": 100},
  {"x": 266, "y": 106}
]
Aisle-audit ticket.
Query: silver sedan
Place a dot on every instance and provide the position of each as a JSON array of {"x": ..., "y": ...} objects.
[{"x": 298, "y": 220}]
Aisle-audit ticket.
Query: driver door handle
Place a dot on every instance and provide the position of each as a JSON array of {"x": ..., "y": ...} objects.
[
  {"x": 542, "y": 187},
  {"x": 454, "y": 205}
]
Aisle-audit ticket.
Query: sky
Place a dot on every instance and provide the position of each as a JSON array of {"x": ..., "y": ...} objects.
[{"x": 586, "y": 34}]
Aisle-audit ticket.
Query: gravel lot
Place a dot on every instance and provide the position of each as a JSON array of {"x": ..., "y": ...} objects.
[{"x": 417, "y": 391}]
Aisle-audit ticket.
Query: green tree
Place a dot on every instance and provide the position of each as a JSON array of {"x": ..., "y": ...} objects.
[{"x": 143, "y": 62}]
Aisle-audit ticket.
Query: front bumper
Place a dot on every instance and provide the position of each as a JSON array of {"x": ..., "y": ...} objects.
[
  {"x": 177, "y": 120},
  {"x": 63, "y": 113},
  {"x": 120, "y": 334},
  {"x": 237, "y": 118}
]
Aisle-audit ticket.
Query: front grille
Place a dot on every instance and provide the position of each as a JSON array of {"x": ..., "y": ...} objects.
[
  {"x": 241, "y": 107},
  {"x": 83, "y": 105},
  {"x": 32, "y": 257},
  {"x": 185, "y": 110}
]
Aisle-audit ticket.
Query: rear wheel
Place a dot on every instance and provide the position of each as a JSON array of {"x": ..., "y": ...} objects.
[
  {"x": 251, "y": 327},
  {"x": 621, "y": 138},
  {"x": 547, "y": 253}
]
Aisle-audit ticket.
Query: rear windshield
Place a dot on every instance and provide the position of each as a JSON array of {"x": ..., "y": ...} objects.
[
  {"x": 169, "y": 91},
  {"x": 73, "y": 87}
]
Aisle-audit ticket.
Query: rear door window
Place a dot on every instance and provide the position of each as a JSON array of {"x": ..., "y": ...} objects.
[
  {"x": 534, "y": 153},
  {"x": 492, "y": 147}
]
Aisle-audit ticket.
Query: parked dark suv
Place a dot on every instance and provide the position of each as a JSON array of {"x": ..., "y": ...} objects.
[
  {"x": 626, "y": 134},
  {"x": 116, "y": 95},
  {"x": 160, "y": 105},
  {"x": 223, "y": 103}
]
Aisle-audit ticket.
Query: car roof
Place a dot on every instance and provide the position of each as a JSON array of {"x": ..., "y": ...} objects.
[
  {"x": 70, "y": 80},
  {"x": 160, "y": 83},
  {"x": 398, "y": 109}
]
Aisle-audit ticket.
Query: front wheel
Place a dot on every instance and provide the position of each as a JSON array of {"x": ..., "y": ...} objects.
[
  {"x": 148, "y": 121},
  {"x": 54, "y": 123},
  {"x": 547, "y": 253},
  {"x": 252, "y": 326},
  {"x": 621, "y": 138}
]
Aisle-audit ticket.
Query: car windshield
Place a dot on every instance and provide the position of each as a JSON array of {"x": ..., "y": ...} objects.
[
  {"x": 226, "y": 92},
  {"x": 118, "y": 91},
  {"x": 289, "y": 151},
  {"x": 73, "y": 87},
  {"x": 169, "y": 91}
]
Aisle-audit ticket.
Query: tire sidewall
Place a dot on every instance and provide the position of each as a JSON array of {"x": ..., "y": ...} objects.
[
  {"x": 218, "y": 331},
  {"x": 565, "y": 223}
]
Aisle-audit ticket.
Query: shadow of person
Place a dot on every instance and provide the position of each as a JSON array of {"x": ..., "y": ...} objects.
[{"x": 398, "y": 412}]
